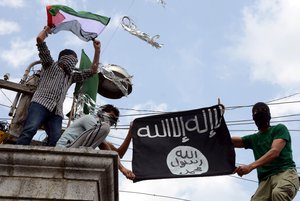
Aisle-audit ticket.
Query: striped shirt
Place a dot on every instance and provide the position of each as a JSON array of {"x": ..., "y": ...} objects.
[{"x": 54, "y": 82}]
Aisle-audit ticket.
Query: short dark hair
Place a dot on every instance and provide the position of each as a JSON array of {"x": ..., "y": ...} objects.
[{"x": 67, "y": 52}]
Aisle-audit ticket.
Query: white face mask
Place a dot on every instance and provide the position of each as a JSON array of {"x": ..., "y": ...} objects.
[{"x": 105, "y": 117}]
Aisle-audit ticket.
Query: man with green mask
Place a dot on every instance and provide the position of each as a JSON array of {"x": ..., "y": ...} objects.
[{"x": 271, "y": 146}]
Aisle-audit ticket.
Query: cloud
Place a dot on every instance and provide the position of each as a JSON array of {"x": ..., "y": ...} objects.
[
  {"x": 8, "y": 27},
  {"x": 199, "y": 188},
  {"x": 285, "y": 106},
  {"x": 76, "y": 5},
  {"x": 115, "y": 22},
  {"x": 151, "y": 106},
  {"x": 60, "y": 2},
  {"x": 270, "y": 42},
  {"x": 20, "y": 53},
  {"x": 14, "y": 3},
  {"x": 70, "y": 40}
]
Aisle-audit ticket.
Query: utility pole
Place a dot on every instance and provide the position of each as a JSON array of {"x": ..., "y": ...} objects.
[{"x": 16, "y": 87}]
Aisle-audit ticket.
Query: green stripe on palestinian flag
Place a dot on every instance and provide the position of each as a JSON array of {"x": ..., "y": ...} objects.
[
  {"x": 85, "y": 25},
  {"x": 90, "y": 85}
]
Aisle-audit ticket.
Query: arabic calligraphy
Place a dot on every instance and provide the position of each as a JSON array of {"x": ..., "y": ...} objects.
[
  {"x": 179, "y": 126},
  {"x": 186, "y": 160}
]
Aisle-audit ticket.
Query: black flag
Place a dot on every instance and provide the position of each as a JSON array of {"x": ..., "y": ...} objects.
[{"x": 192, "y": 143}]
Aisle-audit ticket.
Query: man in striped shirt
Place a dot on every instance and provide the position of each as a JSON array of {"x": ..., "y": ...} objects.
[{"x": 46, "y": 107}]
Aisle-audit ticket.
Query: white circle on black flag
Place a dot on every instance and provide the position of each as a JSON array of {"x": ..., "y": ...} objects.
[{"x": 186, "y": 160}]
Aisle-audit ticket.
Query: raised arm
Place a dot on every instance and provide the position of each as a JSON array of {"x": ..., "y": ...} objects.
[
  {"x": 79, "y": 77},
  {"x": 97, "y": 47},
  {"x": 43, "y": 35},
  {"x": 44, "y": 52}
]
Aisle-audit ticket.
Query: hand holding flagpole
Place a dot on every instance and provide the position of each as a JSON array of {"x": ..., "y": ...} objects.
[
  {"x": 43, "y": 34},
  {"x": 97, "y": 47}
]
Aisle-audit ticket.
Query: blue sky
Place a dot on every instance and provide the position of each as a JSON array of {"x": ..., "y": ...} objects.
[{"x": 239, "y": 51}]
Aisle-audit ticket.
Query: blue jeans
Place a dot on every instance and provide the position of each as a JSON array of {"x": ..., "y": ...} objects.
[{"x": 37, "y": 116}]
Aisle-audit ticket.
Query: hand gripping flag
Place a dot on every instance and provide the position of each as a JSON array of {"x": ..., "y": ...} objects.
[
  {"x": 85, "y": 25},
  {"x": 192, "y": 143}
]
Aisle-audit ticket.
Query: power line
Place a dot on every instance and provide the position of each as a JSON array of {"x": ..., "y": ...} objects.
[
  {"x": 120, "y": 138},
  {"x": 288, "y": 96},
  {"x": 154, "y": 195},
  {"x": 244, "y": 179},
  {"x": 244, "y": 106},
  {"x": 226, "y": 108},
  {"x": 276, "y": 117},
  {"x": 4, "y": 105},
  {"x": 6, "y": 96},
  {"x": 142, "y": 114},
  {"x": 231, "y": 123},
  {"x": 228, "y": 122},
  {"x": 5, "y": 118},
  {"x": 247, "y": 123},
  {"x": 253, "y": 130},
  {"x": 117, "y": 28},
  {"x": 151, "y": 112}
]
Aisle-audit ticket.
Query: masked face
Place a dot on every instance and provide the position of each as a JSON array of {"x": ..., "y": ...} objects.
[
  {"x": 67, "y": 63},
  {"x": 109, "y": 118},
  {"x": 262, "y": 118}
]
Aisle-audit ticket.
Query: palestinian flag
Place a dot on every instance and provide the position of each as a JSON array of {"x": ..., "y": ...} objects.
[{"x": 85, "y": 25}]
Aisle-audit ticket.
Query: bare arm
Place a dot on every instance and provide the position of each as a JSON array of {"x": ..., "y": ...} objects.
[
  {"x": 126, "y": 172},
  {"x": 123, "y": 147},
  {"x": 43, "y": 35},
  {"x": 97, "y": 47},
  {"x": 274, "y": 152},
  {"x": 79, "y": 77},
  {"x": 237, "y": 142}
]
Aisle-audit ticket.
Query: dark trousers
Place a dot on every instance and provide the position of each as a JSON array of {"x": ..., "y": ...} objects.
[{"x": 37, "y": 116}]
